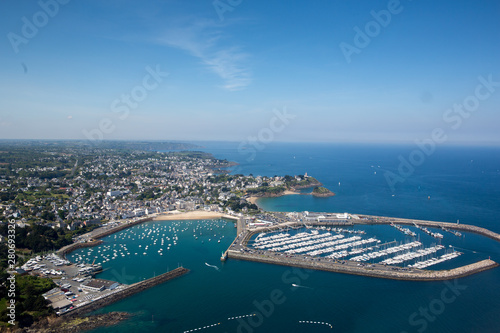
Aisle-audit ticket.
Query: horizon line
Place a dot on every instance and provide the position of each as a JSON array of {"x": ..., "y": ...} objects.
[{"x": 191, "y": 141}]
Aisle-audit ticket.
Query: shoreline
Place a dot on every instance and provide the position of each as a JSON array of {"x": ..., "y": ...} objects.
[
  {"x": 78, "y": 323},
  {"x": 95, "y": 235},
  {"x": 241, "y": 240},
  {"x": 239, "y": 250},
  {"x": 253, "y": 199}
]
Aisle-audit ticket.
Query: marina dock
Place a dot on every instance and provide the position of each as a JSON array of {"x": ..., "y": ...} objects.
[{"x": 302, "y": 250}]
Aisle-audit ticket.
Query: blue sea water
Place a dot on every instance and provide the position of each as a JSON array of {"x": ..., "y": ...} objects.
[{"x": 452, "y": 183}]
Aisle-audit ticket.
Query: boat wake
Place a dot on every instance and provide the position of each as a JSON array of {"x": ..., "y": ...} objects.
[
  {"x": 299, "y": 286},
  {"x": 216, "y": 268}
]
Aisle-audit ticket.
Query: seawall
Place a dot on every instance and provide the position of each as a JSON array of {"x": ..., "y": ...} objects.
[
  {"x": 75, "y": 246},
  {"x": 370, "y": 219},
  {"x": 120, "y": 228}
]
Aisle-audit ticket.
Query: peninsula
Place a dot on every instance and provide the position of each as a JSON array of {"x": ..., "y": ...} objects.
[
  {"x": 322, "y": 192},
  {"x": 288, "y": 185}
]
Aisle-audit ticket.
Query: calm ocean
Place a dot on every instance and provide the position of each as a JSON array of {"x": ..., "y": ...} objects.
[{"x": 453, "y": 183}]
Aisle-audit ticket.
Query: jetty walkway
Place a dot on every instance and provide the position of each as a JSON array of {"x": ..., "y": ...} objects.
[{"x": 127, "y": 291}]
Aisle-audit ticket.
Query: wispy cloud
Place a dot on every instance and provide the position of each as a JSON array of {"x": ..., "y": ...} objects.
[{"x": 206, "y": 41}]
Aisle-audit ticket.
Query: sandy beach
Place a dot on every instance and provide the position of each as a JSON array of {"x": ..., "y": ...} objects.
[
  {"x": 253, "y": 200},
  {"x": 288, "y": 192},
  {"x": 194, "y": 215}
]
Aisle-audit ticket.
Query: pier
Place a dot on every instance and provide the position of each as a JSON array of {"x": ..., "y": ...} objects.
[
  {"x": 240, "y": 229},
  {"x": 127, "y": 291},
  {"x": 283, "y": 251},
  {"x": 99, "y": 233},
  {"x": 75, "y": 246},
  {"x": 240, "y": 225}
]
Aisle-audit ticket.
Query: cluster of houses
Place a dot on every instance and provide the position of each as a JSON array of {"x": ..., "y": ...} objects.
[{"x": 115, "y": 186}]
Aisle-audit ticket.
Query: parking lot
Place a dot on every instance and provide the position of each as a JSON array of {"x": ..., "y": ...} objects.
[{"x": 70, "y": 279}]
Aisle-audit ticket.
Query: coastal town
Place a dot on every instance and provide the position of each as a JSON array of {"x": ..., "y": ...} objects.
[
  {"x": 71, "y": 188},
  {"x": 65, "y": 198},
  {"x": 60, "y": 199},
  {"x": 55, "y": 194}
]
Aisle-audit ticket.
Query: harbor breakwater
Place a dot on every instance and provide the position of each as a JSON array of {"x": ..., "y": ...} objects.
[
  {"x": 378, "y": 271},
  {"x": 237, "y": 251},
  {"x": 75, "y": 246},
  {"x": 99, "y": 233},
  {"x": 120, "y": 227},
  {"x": 96, "y": 235},
  {"x": 127, "y": 291},
  {"x": 370, "y": 219}
]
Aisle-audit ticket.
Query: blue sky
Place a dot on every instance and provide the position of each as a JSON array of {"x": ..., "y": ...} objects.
[{"x": 232, "y": 66}]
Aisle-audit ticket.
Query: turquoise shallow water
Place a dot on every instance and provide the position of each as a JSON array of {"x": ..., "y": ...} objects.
[
  {"x": 209, "y": 295},
  {"x": 459, "y": 189}
]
